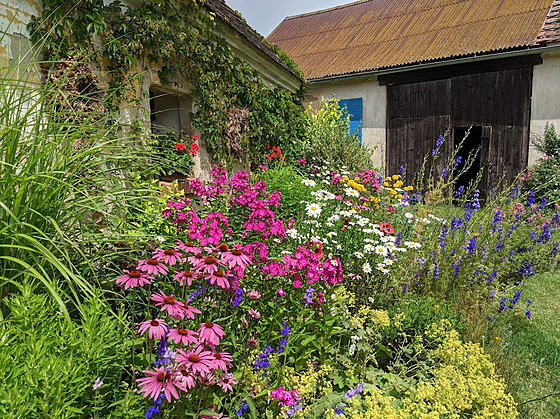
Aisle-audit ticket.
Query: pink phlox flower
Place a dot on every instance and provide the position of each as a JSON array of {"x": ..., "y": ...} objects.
[
  {"x": 222, "y": 361},
  {"x": 169, "y": 256},
  {"x": 175, "y": 308},
  {"x": 133, "y": 279},
  {"x": 183, "y": 276},
  {"x": 226, "y": 381},
  {"x": 218, "y": 278},
  {"x": 210, "y": 333},
  {"x": 156, "y": 381},
  {"x": 236, "y": 258},
  {"x": 152, "y": 266},
  {"x": 297, "y": 283},
  {"x": 286, "y": 398},
  {"x": 157, "y": 328},
  {"x": 196, "y": 359},
  {"x": 183, "y": 336},
  {"x": 280, "y": 292}
]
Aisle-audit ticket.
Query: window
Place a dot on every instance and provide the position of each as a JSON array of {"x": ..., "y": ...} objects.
[{"x": 354, "y": 108}]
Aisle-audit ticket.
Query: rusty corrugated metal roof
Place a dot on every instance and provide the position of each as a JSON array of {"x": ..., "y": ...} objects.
[{"x": 377, "y": 34}]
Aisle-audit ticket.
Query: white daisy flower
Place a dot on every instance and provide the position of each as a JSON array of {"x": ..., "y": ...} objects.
[
  {"x": 313, "y": 209},
  {"x": 348, "y": 203},
  {"x": 368, "y": 248},
  {"x": 388, "y": 262},
  {"x": 412, "y": 245},
  {"x": 339, "y": 246},
  {"x": 368, "y": 230},
  {"x": 366, "y": 267},
  {"x": 333, "y": 218},
  {"x": 292, "y": 232},
  {"x": 345, "y": 213},
  {"x": 409, "y": 215},
  {"x": 383, "y": 269},
  {"x": 308, "y": 182},
  {"x": 381, "y": 250},
  {"x": 363, "y": 222},
  {"x": 331, "y": 234},
  {"x": 359, "y": 255}
]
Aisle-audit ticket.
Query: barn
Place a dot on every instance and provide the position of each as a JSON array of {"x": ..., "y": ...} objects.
[{"x": 409, "y": 71}]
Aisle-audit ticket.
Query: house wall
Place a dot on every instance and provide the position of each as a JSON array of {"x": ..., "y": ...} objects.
[
  {"x": 374, "y": 105},
  {"x": 545, "y": 102},
  {"x": 14, "y": 17}
]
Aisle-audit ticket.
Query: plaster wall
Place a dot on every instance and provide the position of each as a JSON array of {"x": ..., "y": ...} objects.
[
  {"x": 545, "y": 101},
  {"x": 374, "y": 106}
]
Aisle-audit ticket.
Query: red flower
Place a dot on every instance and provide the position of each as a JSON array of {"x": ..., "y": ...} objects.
[
  {"x": 194, "y": 149},
  {"x": 268, "y": 146},
  {"x": 195, "y": 137},
  {"x": 180, "y": 147},
  {"x": 281, "y": 158},
  {"x": 273, "y": 155},
  {"x": 268, "y": 157},
  {"x": 387, "y": 228}
]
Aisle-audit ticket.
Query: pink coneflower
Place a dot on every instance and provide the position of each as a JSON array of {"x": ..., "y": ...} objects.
[
  {"x": 184, "y": 336},
  {"x": 207, "y": 379},
  {"x": 190, "y": 311},
  {"x": 133, "y": 279},
  {"x": 175, "y": 308},
  {"x": 196, "y": 259},
  {"x": 185, "y": 380},
  {"x": 156, "y": 381},
  {"x": 226, "y": 381},
  {"x": 222, "y": 360},
  {"x": 219, "y": 278},
  {"x": 169, "y": 256},
  {"x": 208, "y": 265},
  {"x": 157, "y": 329},
  {"x": 187, "y": 247},
  {"x": 252, "y": 342},
  {"x": 236, "y": 258},
  {"x": 210, "y": 333},
  {"x": 254, "y": 314},
  {"x": 181, "y": 276},
  {"x": 152, "y": 266},
  {"x": 196, "y": 359},
  {"x": 254, "y": 295}
]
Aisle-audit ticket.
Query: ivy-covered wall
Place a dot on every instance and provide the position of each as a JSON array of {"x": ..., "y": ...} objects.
[{"x": 180, "y": 46}]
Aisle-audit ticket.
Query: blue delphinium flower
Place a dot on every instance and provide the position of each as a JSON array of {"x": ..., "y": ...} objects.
[
  {"x": 457, "y": 162},
  {"x": 263, "y": 359},
  {"x": 308, "y": 297},
  {"x": 154, "y": 410},
  {"x": 242, "y": 410},
  {"x": 238, "y": 297}
]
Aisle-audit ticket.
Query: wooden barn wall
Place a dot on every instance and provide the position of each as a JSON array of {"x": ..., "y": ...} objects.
[{"x": 418, "y": 112}]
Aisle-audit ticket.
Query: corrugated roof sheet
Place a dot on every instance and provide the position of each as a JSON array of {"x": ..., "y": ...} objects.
[{"x": 377, "y": 34}]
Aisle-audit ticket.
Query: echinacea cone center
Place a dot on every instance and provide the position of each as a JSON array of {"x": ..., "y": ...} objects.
[
  {"x": 169, "y": 252},
  {"x": 153, "y": 262},
  {"x": 189, "y": 245},
  {"x": 198, "y": 256},
  {"x": 209, "y": 325},
  {"x": 134, "y": 274},
  {"x": 223, "y": 247},
  {"x": 169, "y": 300},
  {"x": 183, "y": 332},
  {"x": 219, "y": 273},
  {"x": 154, "y": 323},
  {"x": 209, "y": 260},
  {"x": 161, "y": 376},
  {"x": 188, "y": 274},
  {"x": 194, "y": 358},
  {"x": 236, "y": 252},
  {"x": 217, "y": 356}
]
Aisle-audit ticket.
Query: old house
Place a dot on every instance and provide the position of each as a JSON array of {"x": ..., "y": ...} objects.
[
  {"x": 411, "y": 70},
  {"x": 164, "y": 106}
]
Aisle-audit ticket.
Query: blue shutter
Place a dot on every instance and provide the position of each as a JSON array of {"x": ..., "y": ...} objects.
[{"x": 354, "y": 107}]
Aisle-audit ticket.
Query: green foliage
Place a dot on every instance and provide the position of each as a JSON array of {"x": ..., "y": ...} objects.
[
  {"x": 285, "y": 179},
  {"x": 172, "y": 154},
  {"x": 49, "y": 366},
  {"x": 329, "y": 143},
  {"x": 544, "y": 177},
  {"x": 185, "y": 43}
]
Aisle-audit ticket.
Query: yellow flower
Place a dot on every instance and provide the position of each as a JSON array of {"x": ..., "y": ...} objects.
[
  {"x": 400, "y": 196},
  {"x": 345, "y": 179},
  {"x": 398, "y": 184},
  {"x": 386, "y": 184},
  {"x": 497, "y": 338},
  {"x": 396, "y": 177},
  {"x": 392, "y": 191},
  {"x": 437, "y": 306},
  {"x": 388, "y": 178},
  {"x": 408, "y": 188}
]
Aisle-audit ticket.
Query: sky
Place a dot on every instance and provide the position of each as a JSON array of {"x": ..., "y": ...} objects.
[{"x": 265, "y": 15}]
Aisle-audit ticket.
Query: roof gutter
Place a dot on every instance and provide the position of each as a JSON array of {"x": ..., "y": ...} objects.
[{"x": 527, "y": 51}]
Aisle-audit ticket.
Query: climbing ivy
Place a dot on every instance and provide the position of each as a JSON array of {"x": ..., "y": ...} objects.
[{"x": 181, "y": 38}]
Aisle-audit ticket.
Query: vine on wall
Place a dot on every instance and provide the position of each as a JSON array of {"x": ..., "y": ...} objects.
[{"x": 179, "y": 37}]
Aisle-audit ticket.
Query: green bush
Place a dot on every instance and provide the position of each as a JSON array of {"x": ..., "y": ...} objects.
[
  {"x": 329, "y": 143},
  {"x": 544, "y": 177},
  {"x": 49, "y": 365}
]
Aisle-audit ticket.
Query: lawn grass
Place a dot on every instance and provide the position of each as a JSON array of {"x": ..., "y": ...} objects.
[{"x": 528, "y": 352}]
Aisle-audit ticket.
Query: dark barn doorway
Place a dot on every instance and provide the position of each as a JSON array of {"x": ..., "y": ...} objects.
[{"x": 474, "y": 141}]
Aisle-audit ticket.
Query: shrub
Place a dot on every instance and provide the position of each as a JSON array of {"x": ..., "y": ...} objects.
[
  {"x": 50, "y": 366},
  {"x": 329, "y": 143},
  {"x": 544, "y": 177}
]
